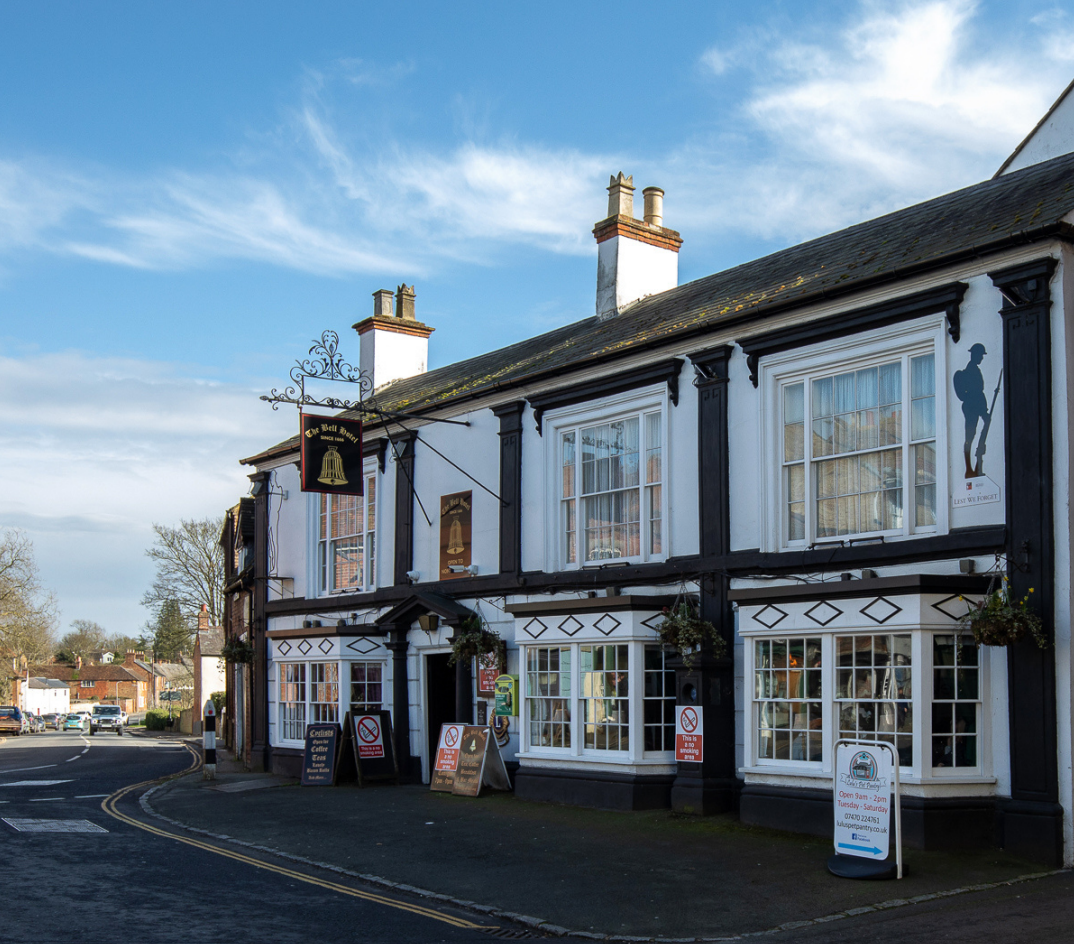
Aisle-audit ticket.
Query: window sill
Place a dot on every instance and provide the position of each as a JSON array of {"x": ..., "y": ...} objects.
[
  {"x": 592, "y": 763},
  {"x": 911, "y": 785}
]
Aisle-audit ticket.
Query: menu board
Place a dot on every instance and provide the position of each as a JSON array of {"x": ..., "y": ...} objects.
[{"x": 319, "y": 767}]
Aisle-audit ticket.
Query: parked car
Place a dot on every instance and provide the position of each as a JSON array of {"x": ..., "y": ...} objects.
[
  {"x": 11, "y": 720},
  {"x": 52, "y": 720},
  {"x": 106, "y": 718},
  {"x": 74, "y": 722},
  {"x": 37, "y": 726}
]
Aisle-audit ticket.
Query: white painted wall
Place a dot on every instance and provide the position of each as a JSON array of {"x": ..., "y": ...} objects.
[
  {"x": 628, "y": 270},
  {"x": 1053, "y": 138},
  {"x": 287, "y": 520},
  {"x": 386, "y": 355}
]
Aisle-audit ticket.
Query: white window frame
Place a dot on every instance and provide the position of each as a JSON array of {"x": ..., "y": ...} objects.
[
  {"x": 636, "y": 752},
  {"x": 343, "y": 701},
  {"x": 921, "y": 770},
  {"x": 370, "y": 567},
  {"x": 921, "y": 336},
  {"x": 652, "y": 399}
]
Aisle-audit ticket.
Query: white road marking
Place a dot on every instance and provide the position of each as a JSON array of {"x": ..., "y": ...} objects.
[
  {"x": 92, "y": 796},
  {"x": 20, "y": 770},
  {"x": 34, "y": 783},
  {"x": 54, "y": 826},
  {"x": 45, "y": 799}
]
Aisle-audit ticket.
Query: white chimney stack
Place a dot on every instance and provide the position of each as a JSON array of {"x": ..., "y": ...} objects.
[
  {"x": 394, "y": 344},
  {"x": 635, "y": 257}
]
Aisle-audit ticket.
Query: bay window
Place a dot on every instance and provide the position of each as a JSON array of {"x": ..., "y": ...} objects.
[
  {"x": 582, "y": 698},
  {"x": 322, "y": 692}
]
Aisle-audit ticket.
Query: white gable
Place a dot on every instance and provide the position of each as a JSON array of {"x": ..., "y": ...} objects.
[{"x": 1052, "y": 137}]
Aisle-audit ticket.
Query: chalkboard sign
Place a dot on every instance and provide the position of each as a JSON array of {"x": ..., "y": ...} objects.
[
  {"x": 319, "y": 765},
  {"x": 479, "y": 764},
  {"x": 372, "y": 745}
]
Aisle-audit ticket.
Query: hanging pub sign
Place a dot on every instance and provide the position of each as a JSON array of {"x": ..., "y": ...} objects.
[
  {"x": 331, "y": 455},
  {"x": 455, "y": 529}
]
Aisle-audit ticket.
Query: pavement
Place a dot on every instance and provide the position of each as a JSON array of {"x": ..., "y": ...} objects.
[{"x": 610, "y": 875}]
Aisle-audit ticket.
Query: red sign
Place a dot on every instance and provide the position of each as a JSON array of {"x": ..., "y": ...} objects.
[
  {"x": 488, "y": 670},
  {"x": 689, "y": 734},
  {"x": 447, "y": 751},
  {"x": 370, "y": 736}
]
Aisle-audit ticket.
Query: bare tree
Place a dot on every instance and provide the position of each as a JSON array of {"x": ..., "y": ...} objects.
[
  {"x": 84, "y": 637},
  {"x": 190, "y": 568},
  {"x": 27, "y": 611}
]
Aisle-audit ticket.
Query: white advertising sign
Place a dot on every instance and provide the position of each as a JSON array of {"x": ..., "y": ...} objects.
[
  {"x": 863, "y": 783},
  {"x": 689, "y": 734},
  {"x": 370, "y": 736}
]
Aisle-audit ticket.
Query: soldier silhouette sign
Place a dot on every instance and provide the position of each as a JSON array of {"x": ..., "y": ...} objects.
[{"x": 970, "y": 389}]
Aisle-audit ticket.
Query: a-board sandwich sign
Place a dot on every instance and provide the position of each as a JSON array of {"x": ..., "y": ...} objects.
[
  {"x": 689, "y": 734},
  {"x": 372, "y": 745},
  {"x": 863, "y": 786},
  {"x": 442, "y": 778},
  {"x": 319, "y": 767},
  {"x": 473, "y": 751}
]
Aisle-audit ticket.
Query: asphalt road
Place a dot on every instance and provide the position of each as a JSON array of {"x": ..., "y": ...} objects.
[{"x": 122, "y": 882}]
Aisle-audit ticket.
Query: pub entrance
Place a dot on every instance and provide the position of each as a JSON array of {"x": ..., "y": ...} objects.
[{"x": 439, "y": 697}]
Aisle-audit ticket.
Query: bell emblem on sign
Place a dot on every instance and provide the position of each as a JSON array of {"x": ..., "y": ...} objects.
[
  {"x": 332, "y": 468},
  {"x": 455, "y": 545}
]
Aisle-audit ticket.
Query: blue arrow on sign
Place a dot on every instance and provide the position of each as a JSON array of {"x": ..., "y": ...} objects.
[{"x": 873, "y": 851}]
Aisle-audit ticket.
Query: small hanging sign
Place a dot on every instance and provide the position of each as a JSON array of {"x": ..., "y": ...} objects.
[{"x": 331, "y": 455}]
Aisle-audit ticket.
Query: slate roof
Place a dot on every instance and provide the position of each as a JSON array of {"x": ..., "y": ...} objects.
[
  {"x": 211, "y": 641},
  {"x": 88, "y": 673},
  {"x": 1014, "y": 209}
]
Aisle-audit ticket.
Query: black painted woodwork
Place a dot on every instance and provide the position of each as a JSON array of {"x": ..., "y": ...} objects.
[
  {"x": 260, "y": 749},
  {"x": 604, "y": 791},
  {"x": 899, "y": 585},
  {"x": 947, "y": 299},
  {"x": 666, "y": 371},
  {"x": 397, "y": 645},
  {"x": 510, "y": 415},
  {"x": 1032, "y": 821},
  {"x": 378, "y": 448},
  {"x": 404, "y": 507},
  {"x": 440, "y": 697},
  {"x": 962, "y": 542},
  {"x": 711, "y": 785}
]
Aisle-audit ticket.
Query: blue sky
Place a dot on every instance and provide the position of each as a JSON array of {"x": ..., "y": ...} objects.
[{"x": 190, "y": 193}]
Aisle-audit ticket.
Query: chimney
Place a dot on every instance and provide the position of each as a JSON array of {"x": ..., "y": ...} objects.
[
  {"x": 129, "y": 658},
  {"x": 635, "y": 257},
  {"x": 394, "y": 344},
  {"x": 203, "y": 618}
]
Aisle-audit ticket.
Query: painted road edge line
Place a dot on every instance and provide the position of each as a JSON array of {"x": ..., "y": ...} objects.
[{"x": 109, "y": 806}]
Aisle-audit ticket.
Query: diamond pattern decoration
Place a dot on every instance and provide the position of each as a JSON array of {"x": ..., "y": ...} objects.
[
  {"x": 608, "y": 624},
  {"x": 364, "y": 645},
  {"x": 884, "y": 610},
  {"x": 823, "y": 613},
  {"x": 325, "y": 646},
  {"x": 304, "y": 646},
  {"x": 570, "y": 626},
  {"x": 283, "y": 648},
  {"x": 529, "y": 630},
  {"x": 953, "y": 607},
  {"x": 654, "y": 622},
  {"x": 770, "y": 616}
]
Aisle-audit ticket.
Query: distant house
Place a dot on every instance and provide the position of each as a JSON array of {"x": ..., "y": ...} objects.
[
  {"x": 44, "y": 695},
  {"x": 208, "y": 660},
  {"x": 114, "y": 684}
]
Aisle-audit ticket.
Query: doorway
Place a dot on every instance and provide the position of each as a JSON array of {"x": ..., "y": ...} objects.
[{"x": 439, "y": 697}]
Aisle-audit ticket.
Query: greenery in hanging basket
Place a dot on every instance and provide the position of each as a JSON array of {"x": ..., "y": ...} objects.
[
  {"x": 684, "y": 631},
  {"x": 997, "y": 620},
  {"x": 474, "y": 639},
  {"x": 237, "y": 651}
]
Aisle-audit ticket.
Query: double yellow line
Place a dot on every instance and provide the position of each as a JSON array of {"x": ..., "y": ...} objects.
[{"x": 109, "y": 805}]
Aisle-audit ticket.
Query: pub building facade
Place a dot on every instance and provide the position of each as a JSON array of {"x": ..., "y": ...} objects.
[{"x": 832, "y": 449}]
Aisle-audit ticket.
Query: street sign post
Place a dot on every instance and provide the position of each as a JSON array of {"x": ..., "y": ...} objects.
[{"x": 865, "y": 782}]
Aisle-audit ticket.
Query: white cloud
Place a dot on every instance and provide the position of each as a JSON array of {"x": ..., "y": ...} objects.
[{"x": 96, "y": 449}]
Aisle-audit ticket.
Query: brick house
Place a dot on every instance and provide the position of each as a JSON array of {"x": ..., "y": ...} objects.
[{"x": 114, "y": 684}]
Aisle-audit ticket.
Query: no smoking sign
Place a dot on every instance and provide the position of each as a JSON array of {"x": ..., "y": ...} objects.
[
  {"x": 689, "y": 734},
  {"x": 370, "y": 736},
  {"x": 447, "y": 752}
]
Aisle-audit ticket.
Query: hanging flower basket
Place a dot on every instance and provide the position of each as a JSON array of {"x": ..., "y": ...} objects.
[
  {"x": 237, "y": 651},
  {"x": 997, "y": 620},
  {"x": 474, "y": 639},
  {"x": 685, "y": 632}
]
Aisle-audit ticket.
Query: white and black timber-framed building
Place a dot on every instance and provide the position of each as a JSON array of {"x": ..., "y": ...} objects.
[{"x": 828, "y": 447}]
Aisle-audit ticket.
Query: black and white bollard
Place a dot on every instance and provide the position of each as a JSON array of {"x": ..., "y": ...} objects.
[{"x": 208, "y": 735}]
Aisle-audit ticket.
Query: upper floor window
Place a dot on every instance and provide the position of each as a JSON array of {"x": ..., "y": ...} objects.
[
  {"x": 859, "y": 449},
  {"x": 346, "y": 540},
  {"x": 611, "y": 489}
]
